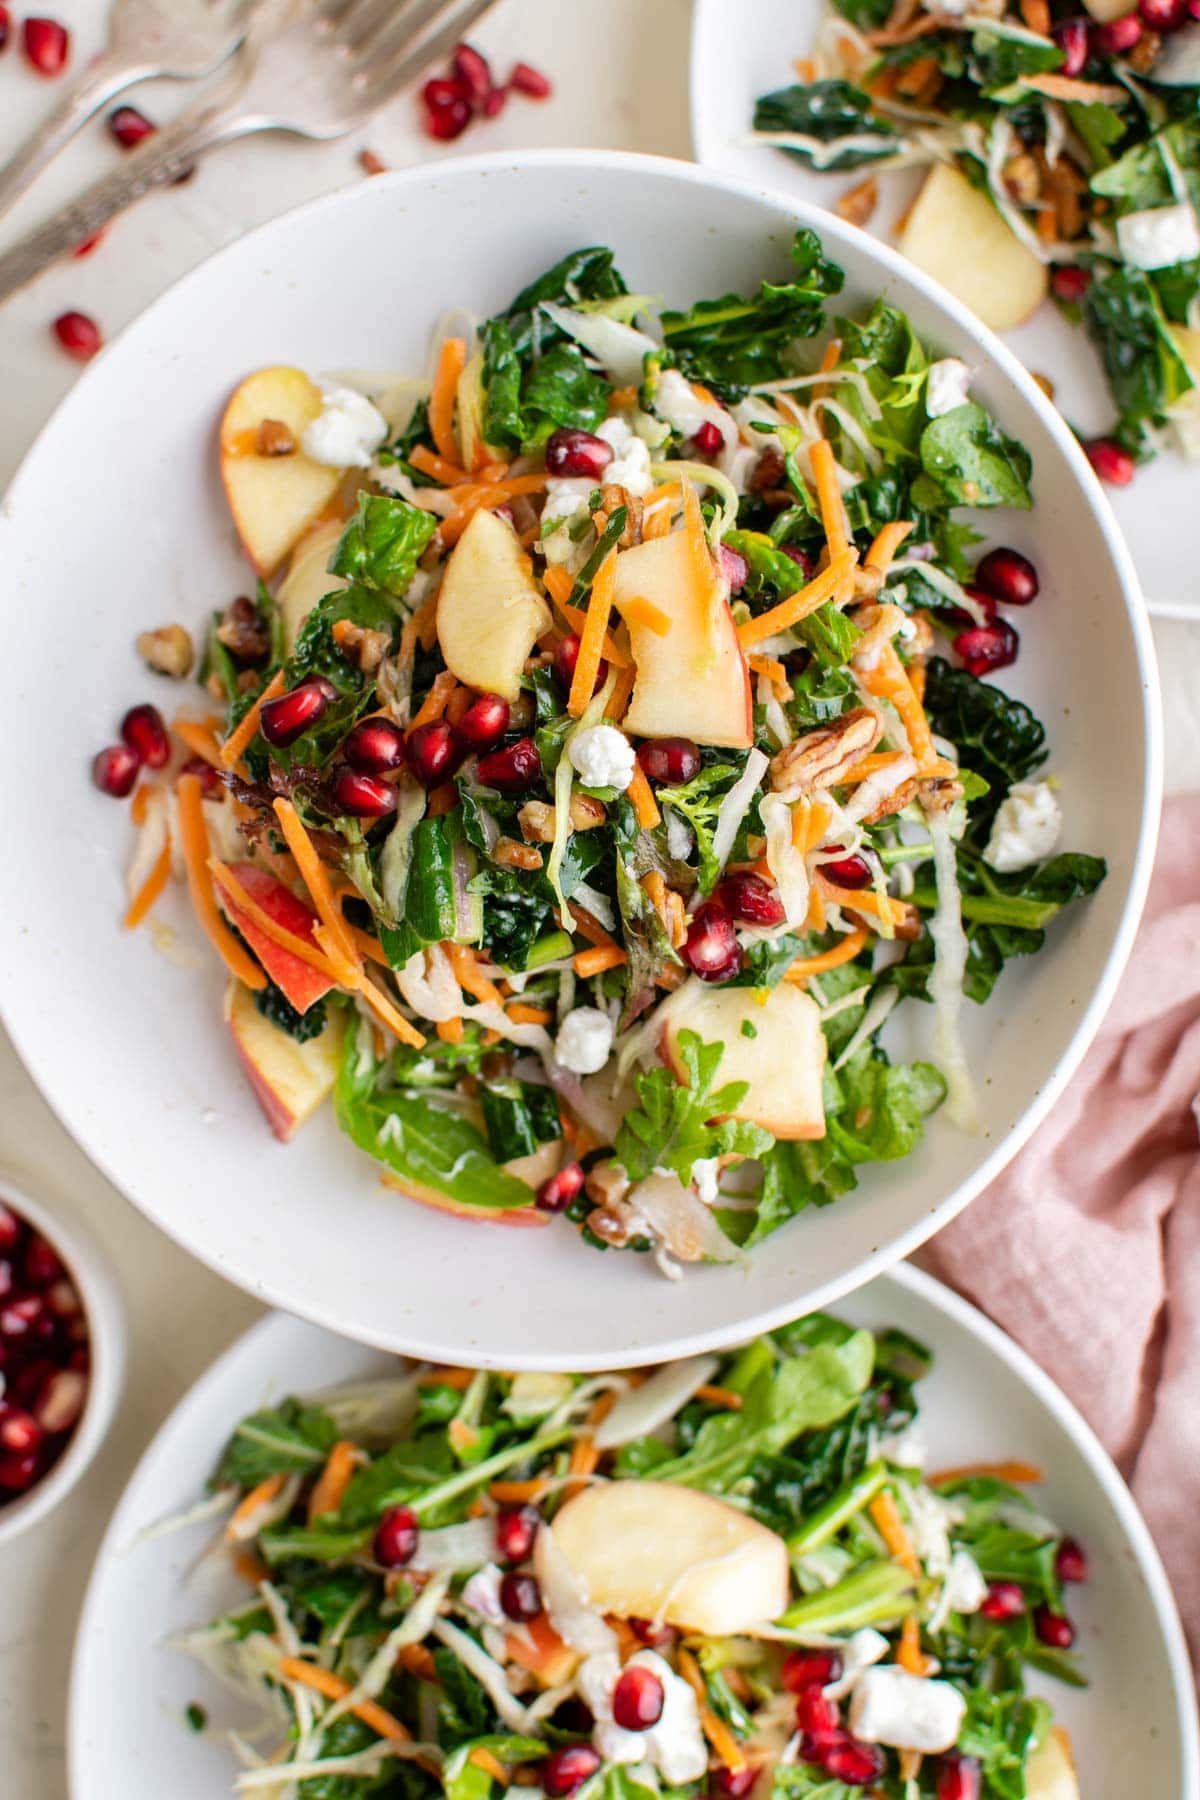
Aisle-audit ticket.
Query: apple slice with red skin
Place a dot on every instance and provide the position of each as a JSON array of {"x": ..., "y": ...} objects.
[
  {"x": 301, "y": 985},
  {"x": 273, "y": 499},
  {"x": 290, "y": 1079},
  {"x": 458, "y": 1209},
  {"x": 783, "y": 1063}
]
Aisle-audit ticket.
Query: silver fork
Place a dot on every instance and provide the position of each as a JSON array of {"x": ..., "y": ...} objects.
[
  {"x": 146, "y": 39},
  {"x": 314, "y": 68}
]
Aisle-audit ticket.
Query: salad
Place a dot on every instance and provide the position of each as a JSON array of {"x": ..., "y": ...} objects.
[
  {"x": 725, "y": 1576},
  {"x": 613, "y": 756},
  {"x": 1063, "y": 149}
]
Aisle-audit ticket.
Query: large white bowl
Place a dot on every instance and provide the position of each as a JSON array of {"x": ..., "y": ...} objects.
[
  {"x": 116, "y": 522},
  {"x": 1134, "y": 1728}
]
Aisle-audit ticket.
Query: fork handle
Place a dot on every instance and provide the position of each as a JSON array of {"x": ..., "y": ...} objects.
[{"x": 108, "y": 76}]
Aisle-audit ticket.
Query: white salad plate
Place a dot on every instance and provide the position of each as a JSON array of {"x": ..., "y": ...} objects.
[
  {"x": 116, "y": 522},
  {"x": 1133, "y": 1728},
  {"x": 741, "y": 52}
]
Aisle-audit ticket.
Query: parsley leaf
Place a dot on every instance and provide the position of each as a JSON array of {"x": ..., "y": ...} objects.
[{"x": 674, "y": 1128}]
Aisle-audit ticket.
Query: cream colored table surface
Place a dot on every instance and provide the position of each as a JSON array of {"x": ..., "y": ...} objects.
[{"x": 620, "y": 73}]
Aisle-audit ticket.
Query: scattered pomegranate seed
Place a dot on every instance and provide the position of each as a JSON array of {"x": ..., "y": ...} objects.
[
  {"x": 1071, "y": 1563},
  {"x": 1072, "y": 37},
  {"x": 1070, "y": 282},
  {"x": 206, "y": 775},
  {"x": 375, "y": 747},
  {"x": 143, "y": 730},
  {"x": 443, "y": 91},
  {"x": 130, "y": 127},
  {"x": 484, "y": 723},
  {"x": 19, "y": 1472},
  {"x": 79, "y": 336},
  {"x": 520, "y": 1596},
  {"x": 1118, "y": 36},
  {"x": 433, "y": 752},
  {"x": 5, "y": 26},
  {"x": 1111, "y": 463},
  {"x": 983, "y": 648},
  {"x": 1193, "y": 9},
  {"x": 46, "y": 44},
  {"x": 566, "y": 655},
  {"x": 810, "y": 1668},
  {"x": 115, "y": 770},
  {"x": 708, "y": 439},
  {"x": 284, "y": 720},
  {"x": 516, "y": 1528},
  {"x": 10, "y": 1228},
  {"x": 29, "y": 1380},
  {"x": 855, "y": 1763},
  {"x": 41, "y": 1265},
  {"x": 815, "y": 1714},
  {"x": 556, "y": 1194},
  {"x": 88, "y": 244},
  {"x": 801, "y": 558},
  {"x": 8, "y": 1280},
  {"x": 565, "y": 1770},
  {"x": 530, "y": 81},
  {"x": 395, "y": 1540},
  {"x": 495, "y": 103},
  {"x": 1162, "y": 16},
  {"x": 473, "y": 73},
  {"x": 1053, "y": 1628},
  {"x": 61, "y": 1401},
  {"x": 571, "y": 452},
  {"x": 446, "y": 119},
  {"x": 959, "y": 1777},
  {"x": 732, "y": 1784},
  {"x": 371, "y": 164},
  {"x": 848, "y": 871},
  {"x": 735, "y": 568},
  {"x": 512, "y": 770},
  {"x": 638, "y": 1699},
  {"x": 1003, "y": 1600},
  {"x": 19, "y": 1431},
  {"x": 19, "y": 1318},
  {"x": 362, "y": 796},
  {"x": 711, "y": 949},
  {"x": 751, "y": 899},
  {"x": 669, "y": 761},
  {"x": 1008, "y": 576}
]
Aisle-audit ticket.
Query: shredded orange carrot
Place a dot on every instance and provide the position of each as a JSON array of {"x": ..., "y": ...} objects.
[
  {"x": 595, "y": 962},
  {"x": 657, "y": 524},
  {"x": 1021, "y": 1473},
  {"x": 316, "y": 880},
  {"x": 193, "y": 834},
  {"x": 656, "y": 888},
  {"x": 829, "y": 497},
  {"x": 450, "y": 1031},
  {"x": 866, "y": 901},
  {"x": 469, "y": 975},
  {"x": 370, "y": 947},
  {"x": 335, "y": 1687},
  {"x": 704, "y": 575},
  {"x": 150, "y": 890},
  {"x": 436, "y": 700},
  {"x": 888, "y": 680},
  {"x": 643, "y": 612},
  {"x": 908, "y": 1653},
  {"x": 414, "y": 630},
  {"x": 641, "y": 797},
  {"x": 558, "y": 583},
  {"x": 720, "y": 1396},
  {"x": 304, "y": 950},
  {"x": 810, "y": 820},
  {"x": 728, "y": 1750},
  {"x": 583, "y": 1460},
  {"x": 891, "y": 1528},
  {"x": 200, "y": 739},
  {"x": 806, "y": 69},
  {"x": 666, "y": 490},
  {"x": 540, "y": 1650},
  {"x": 516, "y": 1493},
  {"x": 618, "y": 700},
  {"x": 447, "y": 1375},
  {"x": 460, "y": 700},
  {"x": 247, "y": 725},
  {"x": 774, "y": 672},
  {"x": 329, "y": 1490},
  {"x": 418, "y": 1661},
  {"x": 886, "y": 542},
  {"x": 595, "y": 629},
  {"x": 815, "y": 918},
  {"x": 1066, "y": 87},
  {"x": 442, "y": 800},
  {"x": 388, "y": 1014},
  {"x": 471, "y": 497},
  {"x": 588, "y": 927},
  {"x": 845, "y": 952},
  {"x": 450, "y": 474},
  {"x": 250, "y": 1567},
  {"x": 789, "y": 612},
  {"x": 139, "y": 806},
  {"x": 520, "y": 1014},
  {"x": 916, "y": 676},
  {"x": 248, "y": 1505},
  {"x": 452, "y": 360},
  {"x": 483, "y": 1759}
]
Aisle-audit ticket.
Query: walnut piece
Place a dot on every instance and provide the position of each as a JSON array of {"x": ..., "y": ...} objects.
[
  {"x": 358, "y": 643},
  {"x": 512, "y": 855},
  {"x": 168, "y": 651},
  {"x": 939, "y": 793},
  {"x": 537, "y": 819},
  {"x": 275, "y": 439},
  {"x": 822, "y": 757},
  {"x": 243, "y": 632}
]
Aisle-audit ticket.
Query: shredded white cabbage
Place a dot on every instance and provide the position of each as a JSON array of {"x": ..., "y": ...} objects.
[
  {"x": 641, "y": 1410},
  {"x": 783, "y": 859},
  {"x": 946, "y": 979},
  {"x": 736, "y": 805}
]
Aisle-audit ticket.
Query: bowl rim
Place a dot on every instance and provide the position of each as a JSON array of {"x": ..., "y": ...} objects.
[
  {"x": 835, "y": 232},
  {"x": 961, "y": 1312},
  {"x": 93, "y": 1275}
]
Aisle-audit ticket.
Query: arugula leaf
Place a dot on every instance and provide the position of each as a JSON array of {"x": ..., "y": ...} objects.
[
  {"x": 1145, "y": 370},
  {"x": 997, "y": 737},
  {"x": 826, "y": 111},
  {"x": 801, "y": 1781},
  {"x": 348, "y": 1736},
  {"x": 383, "y": 543},
  {"x": 291, "y": 1439},
  {"x": 968, "y": 460},
  {"x": 671, "y": 1129},
  {"x": 400, "y": 1474},
  {"x": 464, "y": 1711}
]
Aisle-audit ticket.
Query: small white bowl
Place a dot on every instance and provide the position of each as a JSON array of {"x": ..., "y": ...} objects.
[{"x": 103, "y": 1308}]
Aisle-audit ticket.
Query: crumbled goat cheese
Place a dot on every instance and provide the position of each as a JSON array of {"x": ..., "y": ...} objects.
[
  {"x": 947, "y": 387},
  {"x": 566, "y": 498},
  {"x": 481, "y": 1594},
  {"x": 630, "y": 466},
  {"x": 930, "y": 1519},
  {"x": 705, "y": 1173},
  {"x": 346, "y": 432},
  {"x": 675, "y": 1746},
  {"x": 963, "y": 1591},
  {"x": 1026, "y": 828},
  {"x": 602, "y": 757},
  {"x": 1159, "y": 236},
  {"x": 910, "y": 1712},
  {"x": 906, "y": 1449},
  {"x": 584, "y": 1041},
  {"x": 685, "y": 412},
  {"x": 860, "y": 1650}
]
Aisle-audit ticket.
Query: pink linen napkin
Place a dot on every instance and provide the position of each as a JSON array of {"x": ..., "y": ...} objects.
[{"x": 1087, "y": 1249}]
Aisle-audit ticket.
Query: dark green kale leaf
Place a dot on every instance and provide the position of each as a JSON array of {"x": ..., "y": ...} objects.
[
  {"x": 518, "y": 1117},
  {"x": 968, "y": 461},
  {"x": 275, "y": 1006},
  {"x": 827, "y": 111},
  {"x": 560, "y": 390},
  {"x": 998, "y": 59},
  {"x": 996, "y": 736},
  {"x": 290, "y": 1439},
  {"x": 382, "y": 544}
]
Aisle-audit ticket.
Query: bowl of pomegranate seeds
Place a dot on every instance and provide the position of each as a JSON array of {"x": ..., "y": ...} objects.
[{"x": 61, "y": 1356}]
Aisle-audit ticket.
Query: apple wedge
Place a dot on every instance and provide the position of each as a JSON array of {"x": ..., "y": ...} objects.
[
  {"x": 692, "y": 681},
  {"x": 273, "y": 499},
  {"x": 302, "y": 985},
  {"x": 954, "y": 233},
  {"x": 459, "y": 1209},
  {"x": 308, "y": 579},
  {"x": 783, "y": 1063},
  {"x": 650, "y": 1550},
  {"x": 290, "y": 1080},
  {"x": 1050, "y": 1772},
  {"x": 489, "y": 612}
]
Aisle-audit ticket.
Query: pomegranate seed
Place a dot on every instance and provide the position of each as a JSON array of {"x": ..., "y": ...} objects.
[
  {"x": 88, "y": 244},
  {"x": 62, "y": 1297},
  {"x": 1008, "y": 576},
  {"x": 284, "y": 720},
  {"x": 370, "y": 163},
  {"x": 556, "y": 1194},
  {"x": 443, "y": 91},
  {"x": 433, "y": 752},
  {"x": 734, "y": 567},
  {"x": 1193, "y": 9},
  {"x": 19, "y": 1472},
  {"x": 206, "y": 775},
  {"x": 516, "y": 1528},
  {"x": 8, "y": 1280},
  {"x": 395, "y": 1540},
  {"x": 61, "y": 1402},
  {"x": 530, "y": 82},
  {"x": 520, "y": 1596},
  {"x": 566, "y": 656},
  {"x": 10, "y": 1228},
  {"x": 638, "y": 1699},
  {"x": 19, "y": 1431},
  {"x": 986, "y": 647},
  {"x": 362, "y": 796},
  {"x": 130, "y": 127},
  {"x": 648, "y": 1633},
  {"x": 751, "y": 899},
  {"x": 512, "y": 770},
  {"x": 815, "y": 1714},
  {"x": 495, "y": 102},
  {"x": 1111, "y": 463},
  {"x": 41, "y": 1265},
  {"x": 1071, "y": 1563},
  {"x": 801, "y": 558},
  {"x": 1162, "y": 16},
  {"x": 708, "y": 439},
  {"x": 732, "y": 1784},
  {"x": 711, "y": 949},
  {"x": 484, "y": 723},
  {"x": 669, "y": 761},
  {"x": 1053, "y": 1628},
  {"x": 46, "y": 44},
  {"x": 1071, "y": 282},
  {"x": 375, "y": 747},
  {"x": 854, "y": 1763},
  {"x": 570, "y": 452},
  {"x": 80, "y": 1359},
  {"x": 810, "y": 1668},
  {"x": 959, "y": 1777},
  {"x": 143, "y": 730},
  {"x": 447, "y": 121},
  {"x": 115, "y": 770},
  {"x": 79, "y": 336},
  {"x": 1072, "y": 38},
  {"x": 5, "y": 26},
  {"x": 565, "y": 1770},
  {"x": 19, "y": 1318},
  {"x": 28, "y": 1382},
  {"x": 848, "y": 871},
  {"x": 472, "y": 73},
  {"x": 1118, "y": 36},
  {"x": 1003, "y": 1600}
]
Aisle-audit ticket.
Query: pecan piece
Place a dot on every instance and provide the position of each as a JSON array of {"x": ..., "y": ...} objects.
[
  {"x": 275, "y": 439},
  {"x": 767, "y": 472},
  {"x": 537, "y": 819},
  {"x": 894, "y": 802},
  {"x": 358, "y": 643},
  {"x": 820, "y": 758},
  {"x": 168, "y": 651}
]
